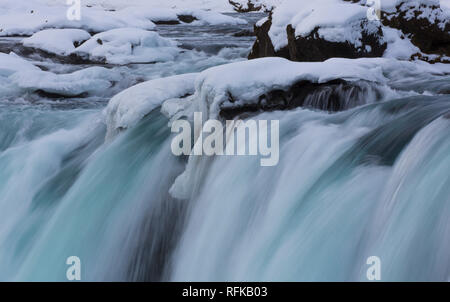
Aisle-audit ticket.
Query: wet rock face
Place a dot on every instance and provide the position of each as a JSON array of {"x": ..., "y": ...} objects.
[
  {"x": 333, "y": 96},
  {"x": 430, "y": 37}
]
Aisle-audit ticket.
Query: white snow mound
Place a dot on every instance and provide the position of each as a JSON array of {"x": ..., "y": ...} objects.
[
  {"x": 58, "y": 41},
  {"x": 128, "y": 107}
]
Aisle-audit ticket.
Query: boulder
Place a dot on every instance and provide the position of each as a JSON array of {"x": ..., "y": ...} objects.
[{"x": 424, "y": 24}]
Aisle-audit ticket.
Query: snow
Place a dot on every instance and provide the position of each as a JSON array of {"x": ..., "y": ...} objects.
[
  {"x": 246, "y": 81},
  {"x": 128, "y": 45},
  {"x": 398, "y": 47},
  {"x": 31, "y": 16},
  {"x": 334, "y": 17},
  {"x": 213, "y": 5},
  {"x": 445, "y": 5},
  {"x": 58, "y": 41},
  {"x": 89, "y": 80},
  {"x": 265, "y": 5},
  {"x": 9, "y": 65},
  {"x": 128, "y": 107},
  {"x": 420, "y": 9},
  {"x": 20, "y": 75},
  {"x": 12, "y": 63},
  {"x": 209, "y": 91},
  {"x": 340, "y": 21},
  {"x": 28, "y": 17}
]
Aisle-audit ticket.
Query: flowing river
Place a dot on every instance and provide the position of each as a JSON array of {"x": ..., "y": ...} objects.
[{"x": 369, "y": 181}]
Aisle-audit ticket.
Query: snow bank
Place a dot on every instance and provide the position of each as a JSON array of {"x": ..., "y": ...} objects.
[
  {"x": 334, "y": 17},
  {"x": 28, "y": 17},
  {"x": 20, "y": 76},
  {"x": 12, "y": 63},
  {"x": 254, "y": 5},
  {"x": 213, "y": 5},
  {"x": 58, "y": 41},
  {"x": 89, "y": 80},
  {"x": 31, "y": 16},
  {"x": 128, "y": 107},
  {"x": 398, "y": 46},
  {"x": 128, "y": 45},
  {"x": 418, "y": 9},
  {"x": 237, "y": 84},
  {"x": 296, "y": 28}
]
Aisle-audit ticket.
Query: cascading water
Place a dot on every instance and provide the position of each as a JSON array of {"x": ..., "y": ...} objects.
[{"x": 367, "y": 181}]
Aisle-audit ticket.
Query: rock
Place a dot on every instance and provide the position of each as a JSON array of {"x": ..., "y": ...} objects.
[
  {"x": 39, "y": 54},
  {"x": 263, "y": 46},
  {"x": 245, "y": 7},
  {"x": 313, "y": 48},
  {"x": 429, "y": 37},
  {"x": 187, "y": 18},
  {"x": 332, "y": 96},
  {"x": 181, "y": 19},
  {"x": 244, "y": 33},
  {"x": 167, "y": 22}
]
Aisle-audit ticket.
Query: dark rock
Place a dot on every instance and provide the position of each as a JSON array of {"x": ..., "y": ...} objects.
[
  {"x": 181, "y": 19},
  {"x": 314, "y": 48},
  {"x": 244, "y": 33},
  {"x": 39, "y": 54},
  {"x": 332, "y": 96},
  {"x": 167, "y": 22},
  {"x": 263, "y": 46},
  {"x": 187, "y": 18},
  {"x": 99, "y": 41},
  {"x": 429, "y": 37},
  {"x": 78, "y": 43},
  {"x": 250, "y": 7},
  {"x": 50, "y": 95}
]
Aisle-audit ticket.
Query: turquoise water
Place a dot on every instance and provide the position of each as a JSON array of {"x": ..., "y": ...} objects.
[{"x": 369, "y": 181}]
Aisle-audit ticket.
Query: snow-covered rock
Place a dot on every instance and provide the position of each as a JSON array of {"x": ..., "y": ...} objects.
[
  {"x": 315, "y": 31},
  {"x": 128, "y": 45},
  {"x": 244, "y": 6},
  {"x": 12, "y": 63},
  {"x": 265, "y": 84},
  {"x": 211, "y": 5},
  {"x": 277, "y": 84},
  {"x": 57, "y": 41},
  {"x": 85, "y": 81},
  {"x": 246, "y": 84},
  {"x": 423, "y": 21},
  {"x": 18, "y": 76},
  {"x": 128, "y": 107},
  {"x": 31, "y": 16}
]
